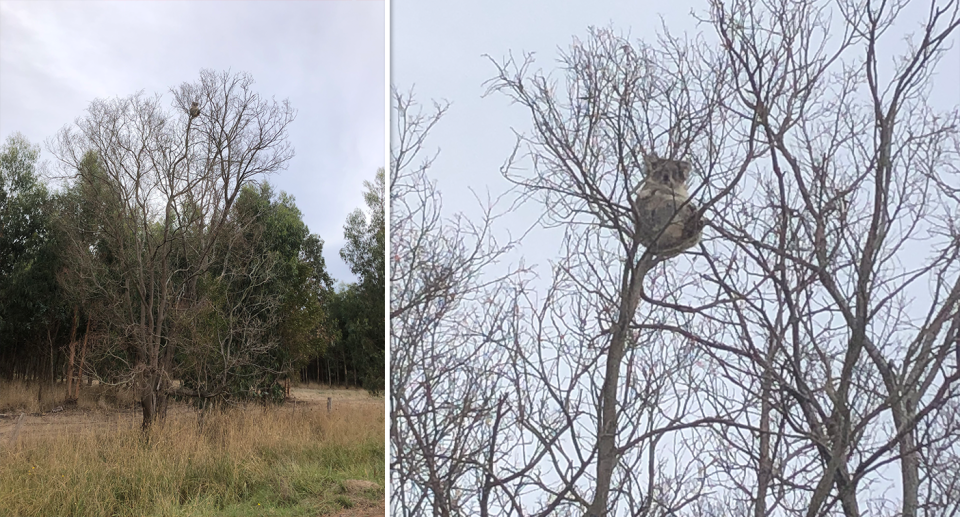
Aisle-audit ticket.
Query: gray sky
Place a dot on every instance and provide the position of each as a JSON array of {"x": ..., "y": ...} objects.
[
  {"x": 328, "y": 58},
  {"x": 437, "y": 46}
]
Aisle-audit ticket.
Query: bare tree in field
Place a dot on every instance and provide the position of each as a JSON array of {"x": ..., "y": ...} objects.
[
  {"x": 801, "y": 361},
  {"x": 163, "y": 184}
]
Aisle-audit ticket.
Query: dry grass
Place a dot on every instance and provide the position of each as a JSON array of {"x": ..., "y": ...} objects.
[
  {"x": 253, "y": 461},
  {"x": 32, "y": 397}
]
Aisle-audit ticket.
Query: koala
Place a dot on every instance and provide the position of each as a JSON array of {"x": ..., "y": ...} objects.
[
  {"x": 667, "y": 222},
  {"x": 194, "y": 109}
]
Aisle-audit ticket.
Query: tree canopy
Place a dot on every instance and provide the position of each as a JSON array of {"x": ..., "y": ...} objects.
[{"x": 167, "y": 262}]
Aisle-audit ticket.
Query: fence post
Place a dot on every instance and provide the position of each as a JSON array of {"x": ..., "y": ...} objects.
[{"x": 16, "y": 430}]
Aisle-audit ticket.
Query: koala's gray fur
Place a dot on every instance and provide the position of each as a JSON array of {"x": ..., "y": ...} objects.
[
  {"x": 667, "y": 222},
  {"x": 194, "y": 109}
]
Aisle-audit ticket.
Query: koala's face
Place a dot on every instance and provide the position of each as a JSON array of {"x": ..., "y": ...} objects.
[{"x": 668, "y": 172}]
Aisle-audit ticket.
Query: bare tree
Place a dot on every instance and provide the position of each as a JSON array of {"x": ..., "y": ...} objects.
[
  {"x": 441, "y": 397},
  {"x": 165, "y": 184},
  {"x": 846, "y": 267},
  {"x": 803, "y": 360},
  {"x": 522, "y": 421},
  {"x": 624, "y": 373}
]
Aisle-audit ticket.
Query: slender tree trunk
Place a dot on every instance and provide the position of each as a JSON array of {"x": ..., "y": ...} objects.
[
  {"x": 904, "y": 411},
  {"x": 910, "y": 473},
  {"x": 53, "y": 378},
  {"x": 73, "y": 349},
  {"x": 148, "y": 402},
  {"x": 83, "y": 355},
  {"x": 607, "y": 455},
  {"x": 764, "y": 464}
]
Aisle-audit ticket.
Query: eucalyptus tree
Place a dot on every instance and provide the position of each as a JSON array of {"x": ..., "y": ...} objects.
[
  {"x": 169, "y": 181},
  {"x": 364, "y": 251},
  {"x": 803, "y": 360},
  {"x": 31, "y": 305}
]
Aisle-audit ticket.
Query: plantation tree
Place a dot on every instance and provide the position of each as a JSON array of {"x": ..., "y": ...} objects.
[
  {"x": 31, "y": 309},
  {"x": 364, "y": 252},
  {"x": 261, "y": 313},
  {"x": 797, "y": 361},
  {"x": 80, "y": 213},
  {"x": 169, "y": 182},
  {"x": 349, "y": 353}
]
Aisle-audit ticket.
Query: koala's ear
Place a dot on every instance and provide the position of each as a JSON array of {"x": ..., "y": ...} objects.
[{"x": 650, "y": 161}]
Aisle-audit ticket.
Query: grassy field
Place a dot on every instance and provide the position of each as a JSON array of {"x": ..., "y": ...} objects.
[{"x": 92, "y": 459}]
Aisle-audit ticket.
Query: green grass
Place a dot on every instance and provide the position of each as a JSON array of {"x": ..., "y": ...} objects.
[{"x": 244, "y": 462}]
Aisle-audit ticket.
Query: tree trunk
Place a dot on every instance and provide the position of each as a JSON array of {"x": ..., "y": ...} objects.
[
  {"x": 909, "y": 468},
  {"x": 53, "y": 377},
  {"x": 83, "y": 355},
  {"x": 607, "y": 456},
  {"x": 73, "y": 349},
  {"x": 153, "y": 398},
  {"x": 905, "y": 411},
  {"x": 765, "y": 460},
  {"x": 148, "y": 402}
]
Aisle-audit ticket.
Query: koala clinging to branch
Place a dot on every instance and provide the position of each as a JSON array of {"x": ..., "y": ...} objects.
[
  {"x": 667, "y": 221},
  {"x": 194, "y": 109}
]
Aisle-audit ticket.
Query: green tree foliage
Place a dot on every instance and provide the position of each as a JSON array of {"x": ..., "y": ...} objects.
[
  {"x": 30, "y": 304},
  {"x": 363, "y": 323},
  {"x": 168, "y": 182},
  {"x": 167, "y": 251},
  {"x": 263, "y": 314}
]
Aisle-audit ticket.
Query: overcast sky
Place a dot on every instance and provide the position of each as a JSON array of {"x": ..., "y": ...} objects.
[
  {"x": 327, "y": 58},
  {"x": 438, "y": 47},
  {"x": 447, "y": 62}
]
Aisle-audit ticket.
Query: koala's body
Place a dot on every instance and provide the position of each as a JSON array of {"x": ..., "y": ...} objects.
[
  {"x": 194, "y": 110},
  {"x": 667, "y": 222}
]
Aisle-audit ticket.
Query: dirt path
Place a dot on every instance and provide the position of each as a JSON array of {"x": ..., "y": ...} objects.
[{"x": 337, "y": 397}]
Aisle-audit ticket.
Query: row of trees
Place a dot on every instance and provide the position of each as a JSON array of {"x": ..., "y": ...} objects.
[
  {"x": 167, "y": 262},
  {"x": 804, "y": 360}
]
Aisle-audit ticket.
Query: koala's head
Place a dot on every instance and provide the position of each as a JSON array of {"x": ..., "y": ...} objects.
[{"x": 667, "y": 172}]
